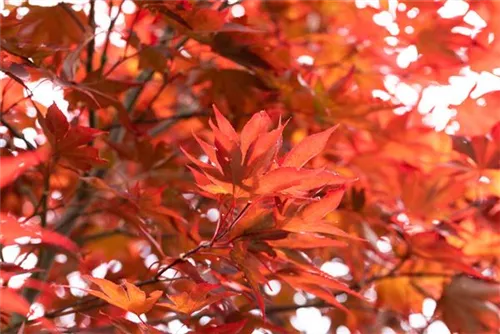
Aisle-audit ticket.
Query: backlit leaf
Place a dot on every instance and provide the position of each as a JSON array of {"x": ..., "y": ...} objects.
[
  {"x": 201, "y": 296},
  {"x": 128, "y": 297}
]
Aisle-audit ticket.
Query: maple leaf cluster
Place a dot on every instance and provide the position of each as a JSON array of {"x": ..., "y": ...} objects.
[{"x": 251, "y": 166}]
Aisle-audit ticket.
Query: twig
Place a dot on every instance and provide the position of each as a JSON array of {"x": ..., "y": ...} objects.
[
  {"x": 134, "y": 22},
  {"x": 91, "y": 45},
  {"x": 168, "y": 122},
  {"x": 71, "y": 13},
  {"x": 83, "y": 195},
  {"x": 16, "y": 133},
  {"x": 183, "y": 257},
  {"x": 172, "y": 119},
  {"x": 130, "y": 100},
  {"x": 104, "y": 55},
  {"x": 79, "y": 203},
  {"x": 90, "y": 57}
]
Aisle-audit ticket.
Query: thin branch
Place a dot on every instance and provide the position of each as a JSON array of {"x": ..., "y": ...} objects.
[
  {"x": 79, "y": 203},
  {"x": 204, "y": 244},
  {"x": 293, "y": 307},
  {"x": 16, "y": 133},
  {"x": 168, "y": 122},
  {"x": 130, "y": 101},
  {"x": 83, "y": 195},
  {"x": 71, "y": 13},
  {"x": 104, "y": 55},
  {"x": 90, "y": 57},
  {"x": 91, "y": 44},
  {"x": 118, "y": 63},
  {"x": 162, "y": 88},
  {"x": 183, "y": 257},
  {"x": 171, "y": 119},
  {"x": 134, "y": 22}
]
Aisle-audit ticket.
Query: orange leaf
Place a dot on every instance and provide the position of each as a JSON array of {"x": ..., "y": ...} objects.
[
  {"x": 259, "y": 123},
  {"x": 130, "y": 298},
  {"x": 311, "y": 217},
  {"x": 246, "y": 165},
  {"x": 224, "y": 125},
  {"x": 14, "y": 166},
  {"x": 434, "y": 247},
  {"x": 307, "y": 149},
  {"x": 250, "y": 265},
  {"x": 298, "y": 182},
  {"x": 12, "y": 302},
  {"x": 318, "y": 283},
  {"x": 262, "y": 151},
  {"x": 11, "y": 230},
  {"x": 477, "y": 119},
  {"x": 306, "y": 241},
  {"x": 200, "y": 297}
]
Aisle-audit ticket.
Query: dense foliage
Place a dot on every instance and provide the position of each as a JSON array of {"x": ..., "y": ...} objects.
[{"x": 250, "y": 166}]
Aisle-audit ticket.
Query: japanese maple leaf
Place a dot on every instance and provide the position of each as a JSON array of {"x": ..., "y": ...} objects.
[
  {"x": 475, "y": 118},
  {"x": 14, "y": 166},
  {"x": 130, "y": 298},
  {"x": 69, "y": 142},
  {"x": 198, "y": 298},
  {"x": 438, "y": 42},
  {"x": 316, "y": 282},
  {"x": 97, "y": 93},
  {"x": 250, "y": 265},
  {"x": 137, "y": 204},
  {"x": 39, "y": 31},
  {"x": 11, "y": 231},
  {"x": 483, "y": 151},
  {"x": 247, "y": 165},
  {"x": 484, "y": 53},
  {"x": 432, "y": 246},
  {"x": 311, "y": 217},
  {"x": 480, "y": 159},
  {"x": 403, "y": 292},
  {"x": 470, "y": 305},
  {"x": 16, "y": 304},
  {"x": 12, "y": 302}
]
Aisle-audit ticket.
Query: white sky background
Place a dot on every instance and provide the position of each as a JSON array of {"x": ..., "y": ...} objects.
[{"x": 434, "y": 103}]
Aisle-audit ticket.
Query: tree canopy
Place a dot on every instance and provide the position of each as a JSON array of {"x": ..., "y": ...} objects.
[{"x": 250, "y": 166}]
